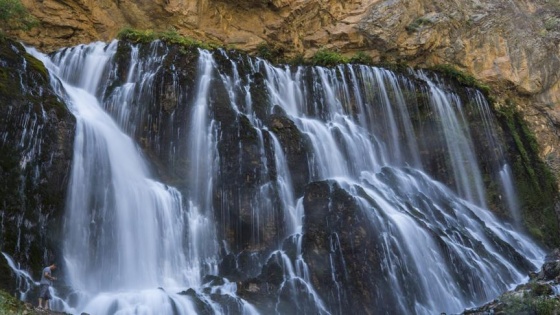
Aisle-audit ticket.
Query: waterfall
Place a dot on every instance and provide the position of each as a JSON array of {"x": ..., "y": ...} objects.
[
  {"x": 124, "y": 231},
  {"x": 179, "y": 176},
  {"x": 349, "y": 146},
  {"x": 500, "y": 163},
  {"x": 24, "y": 281},
  {"x": 556, "y": 289}
]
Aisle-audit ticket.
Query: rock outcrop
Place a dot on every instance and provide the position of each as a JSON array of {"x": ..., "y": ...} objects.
[
  {"x": 512, "y": 45},
  {"x": 541, "y": 295}
]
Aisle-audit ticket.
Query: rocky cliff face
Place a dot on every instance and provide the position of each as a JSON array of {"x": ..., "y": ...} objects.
[
  {"x": 512, "y": 45},
  {"x": 342, "y": 229}
]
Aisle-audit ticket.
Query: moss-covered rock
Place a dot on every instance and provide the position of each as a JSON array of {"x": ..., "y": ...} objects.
[
  {"x": 9, "y": 305},
  {"x": 536, "y": 185},
  {"x": 36, "y": 136}
]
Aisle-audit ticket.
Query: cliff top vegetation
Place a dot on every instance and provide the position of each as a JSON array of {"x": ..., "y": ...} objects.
[{"x": 14, "y": 16}]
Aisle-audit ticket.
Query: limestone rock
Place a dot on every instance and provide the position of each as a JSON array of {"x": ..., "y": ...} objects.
[{"x": 512, "y": 45}]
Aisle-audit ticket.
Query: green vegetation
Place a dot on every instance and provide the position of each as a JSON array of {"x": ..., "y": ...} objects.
[
  {"x": 461, "y": 77},
  {"x": 9, "y": 305},
  {"x": 9, "y": 88},
  {"x": 170, "y": 37},
  {"x": 272, "y": 53},
  {"x": 297, "y": 60},
  {"x": 536, "y": 184},
  {"x": 328, "y": 58},
  {"x": 14, "y": 16},
  {"x": 529, "y": 304},
  {"x": 361, "y": 58},
  {"x": 37, "y": 65},
  {"x": 534, "y": 297}
]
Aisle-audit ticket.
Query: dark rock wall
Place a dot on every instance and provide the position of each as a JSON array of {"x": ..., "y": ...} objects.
[
  {"x": 340, "y": 247},
  {"x": 36, "y": 136}
]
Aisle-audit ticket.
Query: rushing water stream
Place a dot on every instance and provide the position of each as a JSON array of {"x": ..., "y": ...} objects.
[{"x": 135, "y": 244}]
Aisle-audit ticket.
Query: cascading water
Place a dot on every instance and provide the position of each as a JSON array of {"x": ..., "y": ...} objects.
[
  {"x": 505, "y": 174},
  {"x": 459, "y": 144},
  {"x": 25, "y": 285},
  {"x": 133, "y": 243},
  {"x": 125, "y": 246},
  {"x": 347, "y": 150}
]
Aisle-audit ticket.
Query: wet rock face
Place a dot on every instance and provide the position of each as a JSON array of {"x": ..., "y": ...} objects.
[
  {"x": 550, "y": 271},
  {"x": 160, "y": 120},
  {"x": 247, "y": 170},
  {"x": 339, "y": 247},
  {"x": 295, "y": 145},
  {"x": 36, "y": 137},
  {"x": 156, "y": 119}
]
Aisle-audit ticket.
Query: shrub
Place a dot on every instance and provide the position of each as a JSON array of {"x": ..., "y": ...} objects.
[
  {"x": 297, "y": 60},
  {"x": 14, "y": 16},
  {"x": 170, "y": 36},
  {"x": 270, "y": 52},
  {"x": 137, "y": 36},
  {"x": 361, "y": 58},
  {"x": 327, "y": 58}
]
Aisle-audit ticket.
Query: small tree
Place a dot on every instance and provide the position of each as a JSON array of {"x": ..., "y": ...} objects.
[{"x": 14, "y": 16}]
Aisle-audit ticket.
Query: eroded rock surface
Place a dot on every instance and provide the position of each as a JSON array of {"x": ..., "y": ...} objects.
[{"x": 512, "y": 45}]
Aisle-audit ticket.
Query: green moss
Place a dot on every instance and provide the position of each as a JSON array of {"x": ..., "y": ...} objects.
[
  {"x": 462, "y": 77},
  {"x": 37, "y": 65},
  {"x": 9, "y": 88},
  {"x": 36, "y": 74},
  {"x": 10, "y": 305},
  {"x": 272, "y": 53},
  {"x": 136, "y": 36},
  {"x": 551, "y": 23},
  {"x": 170, "y": 36},
  {"x": 536, "y": 184}
]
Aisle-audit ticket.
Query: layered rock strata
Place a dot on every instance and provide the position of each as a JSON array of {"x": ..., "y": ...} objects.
[{"x": 511, "y": 45}]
